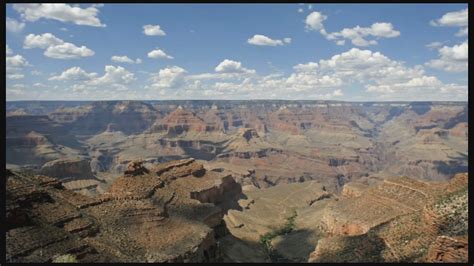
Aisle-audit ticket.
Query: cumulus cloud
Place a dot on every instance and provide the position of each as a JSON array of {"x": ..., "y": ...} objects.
[
  {"x": 357, "y": 35},
  {"x": 159, "y": 54},
  {"x": 381, "y": 77},
  {"x": 263, "y": 40},
  {"x": 170, "y": 77},
  {"x": 114, "y": 76},
  {"x": 314, "y": 21},
  {"x": 16, "y": 61},
  {"x": 74, "y": 73},
  {"x": 451, "y": 59},
  {"x": 225, "y": 70},
  {"x": 114, "y": 79},
  {"x": 67, "y": 51},
  {"x": 14, "y": 25},
  {"x": 55, "y": 47},
  {"x": 61, "y": 12},
  {"x": 125, "y": 59},
  {"x": 454, "y": 19},
  {"x": 15, "y": 65},
  {"x": 231, "y": 67},
  {"x": 42, "y": 41},
  {"x": 153, "y": 30}
]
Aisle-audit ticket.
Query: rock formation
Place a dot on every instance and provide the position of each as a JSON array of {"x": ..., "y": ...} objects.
[
  {"x": 166, "y": 215},
  {"x": 67, "y": 169},
  {"x": 284, "y": 141}
]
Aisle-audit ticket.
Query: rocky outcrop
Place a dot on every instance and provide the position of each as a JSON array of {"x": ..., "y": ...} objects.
[
  {"x": 225, "y": 188},
  {"x": 68, "y": 169},
  {"x": 434, "y": 229},
  {"x": 448, "y": 250},
  {"x": 381, "y": 203},
  {"x": 135, "y": 168},
  {"x": 178, "y": 122},
  {"x": 176, "y": 169},
  {"x": 353, "y": 189},
  {"x": 165, "y": 215}
]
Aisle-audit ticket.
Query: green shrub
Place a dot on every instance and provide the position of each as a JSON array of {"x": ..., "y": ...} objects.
[{"x": 266, "y": 239}]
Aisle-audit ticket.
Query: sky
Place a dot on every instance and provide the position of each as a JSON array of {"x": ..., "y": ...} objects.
[{"x": 349, "y": 52}]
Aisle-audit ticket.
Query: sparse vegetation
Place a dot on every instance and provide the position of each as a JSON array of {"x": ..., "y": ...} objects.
[
  {"x": 266, "y": 239},
  {"x": 453, "y": 211},
  {"x": 65, "y": 258}
]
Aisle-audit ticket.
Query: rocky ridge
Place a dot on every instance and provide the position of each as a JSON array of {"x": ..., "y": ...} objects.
[{"x": 169, "y": 214}]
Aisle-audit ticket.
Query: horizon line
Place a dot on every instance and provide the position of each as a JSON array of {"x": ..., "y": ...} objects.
[{"x": 305, "y": 100}]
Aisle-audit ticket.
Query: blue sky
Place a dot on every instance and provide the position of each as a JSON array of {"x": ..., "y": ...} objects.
[{"x": 350, "y": 52}]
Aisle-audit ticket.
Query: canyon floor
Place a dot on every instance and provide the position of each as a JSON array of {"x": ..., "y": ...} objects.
[{"x": 236, "y": 181}]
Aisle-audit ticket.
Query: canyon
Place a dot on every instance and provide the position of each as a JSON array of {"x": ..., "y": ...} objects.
[{"x": 237, "y": 181}]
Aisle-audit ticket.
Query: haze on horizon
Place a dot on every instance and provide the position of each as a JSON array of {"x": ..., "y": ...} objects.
[{"x": 367, "y": 52}]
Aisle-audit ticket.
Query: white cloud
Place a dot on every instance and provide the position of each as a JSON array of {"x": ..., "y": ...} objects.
[
  {"x": 14, "y": 25},
  {"x": 16, "y": 61},
  {"x": 68, "y": 51},
  {"x": 8, "y": 50},
  {"x": 230, "y": 67},
  {"x": 358, "y": 35},
  {"x": 158, "y": 53},
  {"x": 225, "y": 70},
  {"x": 300, "y": 10},
  {"x": 454, "y": 19},
  {"x": 434, "y": 45},
  {"x": 16, "y": 91},
  {"x": 153, "y": 30},
  {"x": 457, "y": 52},
  {"x": 14, "y": 66},
  {"x": 114, "y": 76},
  {"x": 42, "y": 41},
  {"x": 40, "y": 85},
  {"x": 15, "y": 76},
  {"x": 462, "y": 32},
  {"x": 60, "y": 12},
  {"x": 338, "y": 93},
  {"x": 308, "y": 67},
  {"x": 55, "y": 47},
  {"x": 263, "y": 40},
  {"x": 125, "y": 59},
  {"x": 170, "y": 77},
  {"x": 380, "y": 77},
  {"x": 114, "y": 80},
  {"x": 314, "y": 21},
  {"x": 74, "y": 73},
  {"x": 451, "y": 59}
]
